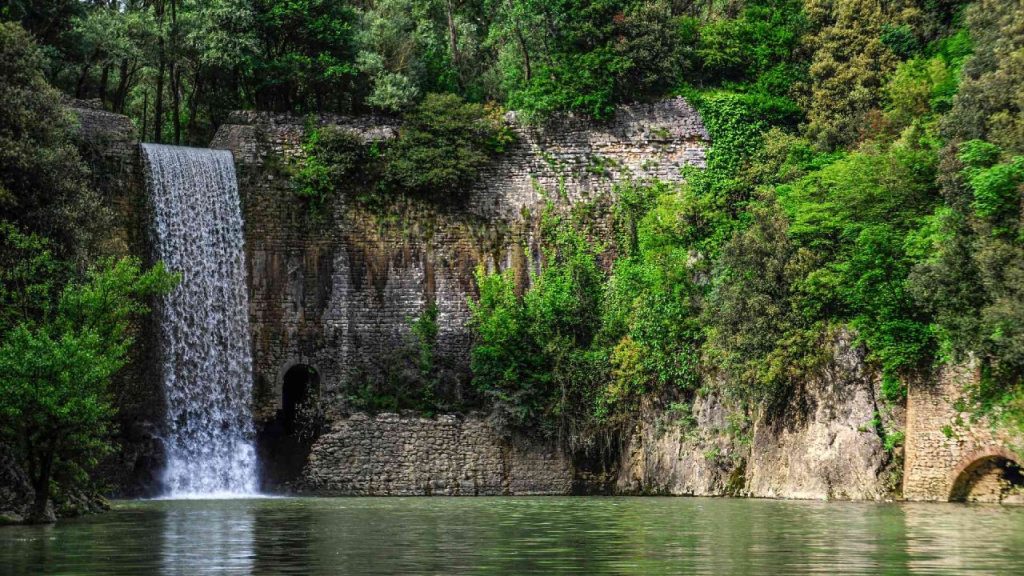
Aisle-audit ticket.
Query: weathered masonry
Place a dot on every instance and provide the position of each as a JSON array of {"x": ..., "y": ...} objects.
[
  {"x": 333, "y": 298},
  {"x": 951, "y": 458},
  {"x": 338, "y": 295}
]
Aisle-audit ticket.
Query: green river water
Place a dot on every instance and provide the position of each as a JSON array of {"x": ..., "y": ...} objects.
[{"x": 543, "y": 535}]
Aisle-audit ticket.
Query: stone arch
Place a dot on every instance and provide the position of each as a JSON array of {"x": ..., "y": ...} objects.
[
  {"x": 284, "y": 442},
  {"x": 283, "y": 371},
  {"x": 987, "y": 474}
]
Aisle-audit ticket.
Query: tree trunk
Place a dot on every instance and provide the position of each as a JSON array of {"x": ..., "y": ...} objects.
[
  {"x": 145, "y": 113},
  {"x": 526, "y": 53},
  {"x": 41, "y": 484},
  {"x": 122, "y": 87},
  {"x": 193, "y": 106},
  {"x": 176, "y": 101},
  {"x": 158, "y": 107},
  {"x": 175, "y": 74},
  {"x": 453, "y": 42},
  {"x": 104, "y": 78}
]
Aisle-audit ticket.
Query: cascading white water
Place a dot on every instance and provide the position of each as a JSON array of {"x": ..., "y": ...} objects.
[{"x": 204, "y": 325}]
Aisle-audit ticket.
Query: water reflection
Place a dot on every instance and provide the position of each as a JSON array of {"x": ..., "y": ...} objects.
[
  {"x": 985, "y": 538},
  {"x": 199, "y": 538},
  {"x": 522, "y": 535}
]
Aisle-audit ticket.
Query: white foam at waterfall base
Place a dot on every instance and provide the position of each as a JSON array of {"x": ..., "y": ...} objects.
[{"x": 204, "y": 323}]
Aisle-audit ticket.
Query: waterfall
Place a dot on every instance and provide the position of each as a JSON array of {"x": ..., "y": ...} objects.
[{"x": 204, "y": 323}]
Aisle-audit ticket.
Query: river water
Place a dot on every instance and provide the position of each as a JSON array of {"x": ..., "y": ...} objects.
[{"x": 543, "y": 535}]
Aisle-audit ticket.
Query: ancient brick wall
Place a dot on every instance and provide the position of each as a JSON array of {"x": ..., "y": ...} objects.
[
  {"x": 944, "y": 444},
  {"x": 339, "y": 293},
  {"x": 390, "y": 455}
]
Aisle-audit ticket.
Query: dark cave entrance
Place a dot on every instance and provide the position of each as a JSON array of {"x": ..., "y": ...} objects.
[
  {"x": 284, "y": 443},
  {"x": 299, "y": 384}
]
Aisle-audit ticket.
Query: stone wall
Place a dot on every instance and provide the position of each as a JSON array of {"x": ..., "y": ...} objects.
[
  {"x": 389, "y": 455},
  {"x": 944, "y": 445},
  {"x": 825, "y": 443},
  {"x": 109, "y": 145},
  {"x": 340, "y": 293}
]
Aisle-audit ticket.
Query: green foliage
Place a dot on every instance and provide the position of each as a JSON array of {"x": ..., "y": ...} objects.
[
  {"x": 44, "y": 184},
  {"x": 757, "y": 47},
  {"x": 442, "y": 146},
  {"x": 972, "y": 281},
  {"x": 332, "y": 157},
  {"x": 424, "y": 330},
  {"x": 900, "y": 39},
  {"x": 55, "y": 368},
  {"x": 651, "y": 302},
  {"x": 412, "y": 376},
  {"x": 854, "y": 216},
  {"x": 307, "y": 61},
  {"x": 850, "y": 62},
  {"x": 533, "y": 358},
  {"x": 996, "y": 188}
]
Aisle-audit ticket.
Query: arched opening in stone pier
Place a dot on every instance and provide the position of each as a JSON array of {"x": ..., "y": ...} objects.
[
  {"x": 991, "y": 475},
  {"x": 285, "y": 441},
  {"x": 300, "y": 384}
]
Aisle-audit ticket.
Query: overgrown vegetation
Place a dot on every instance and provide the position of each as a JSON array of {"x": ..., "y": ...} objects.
[
  {"x": 441, "y": 148},
  {"x": 864, "y": 176},
  {"x": 442, "y": 145}
]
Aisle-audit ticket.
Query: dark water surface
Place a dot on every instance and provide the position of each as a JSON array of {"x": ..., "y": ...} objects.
[{"x": 521, "y": 535}]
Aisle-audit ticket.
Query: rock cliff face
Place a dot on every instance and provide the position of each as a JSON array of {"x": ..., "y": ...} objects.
[
  {"x": 16, "y": 493},
  {"x": 825, "y": 443}
]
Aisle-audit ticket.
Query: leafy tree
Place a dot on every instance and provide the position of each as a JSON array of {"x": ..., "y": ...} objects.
[
  {"x": 849, "y": 67},
  {"x": 55, "y": 372},
  {"x": 971, "y": 280},
  {"x": 43, "y": 181},
  {"x": 533, "y": 359},
  {"x": 306, "y": 61},
  {"x": 333, "y": 156}
]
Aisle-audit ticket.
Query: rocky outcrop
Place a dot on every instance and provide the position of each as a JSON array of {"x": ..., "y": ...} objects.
[
  {"x": 686, "y": 452},
  {"x": 16, "y": 493},
  {"x": 392, "y": 455},
  {"x": 825, "y": 443}
]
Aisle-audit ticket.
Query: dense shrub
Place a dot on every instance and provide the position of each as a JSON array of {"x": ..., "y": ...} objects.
[
  {"x": 333, "y": 157},
  {"x": 442, "y": 146},
  {"x": 44, "y": 185},
  {"x": 533, "y": 357}
]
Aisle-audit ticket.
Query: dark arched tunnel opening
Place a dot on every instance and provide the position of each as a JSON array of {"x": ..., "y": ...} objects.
[
  {"x": 284, "y": 443},
  {"x": 993, "y": 478}
]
